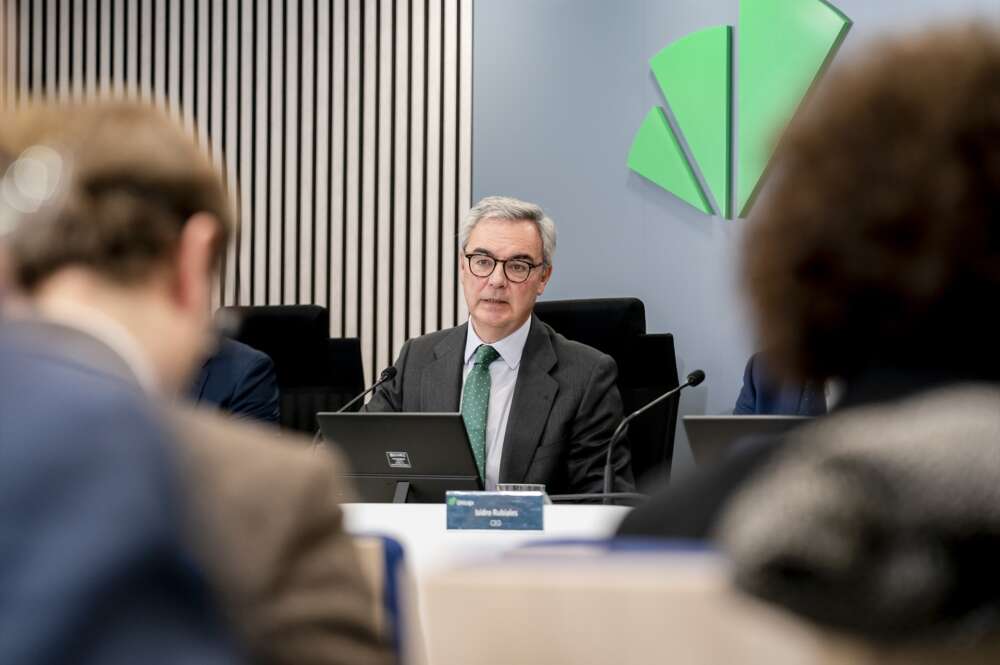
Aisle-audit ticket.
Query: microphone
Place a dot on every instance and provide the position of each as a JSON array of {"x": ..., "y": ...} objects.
[
  {"x": 693, "y": 379},
  {"x": 388, "y": 374}
]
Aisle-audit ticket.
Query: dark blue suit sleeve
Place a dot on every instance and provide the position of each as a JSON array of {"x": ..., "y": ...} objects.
[
  {"x": 746, "y": 403},
  {"x": 256, "y": 393},
  {"x": 93, "y": 566}
]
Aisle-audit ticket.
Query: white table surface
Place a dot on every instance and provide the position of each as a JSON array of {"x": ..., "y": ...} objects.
[{"x": 429, "y": 545}]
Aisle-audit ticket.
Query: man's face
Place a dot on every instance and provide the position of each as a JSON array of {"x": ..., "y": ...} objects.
[{"x": 498, "y": 306}]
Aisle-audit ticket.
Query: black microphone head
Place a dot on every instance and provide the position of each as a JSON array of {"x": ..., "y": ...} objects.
[
  {"x": 390, "y": 372},
  {"x": 695, "y": 377}
]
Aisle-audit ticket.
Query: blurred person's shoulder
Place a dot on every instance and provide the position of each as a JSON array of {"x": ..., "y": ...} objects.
[
  {"x": 236, "y": 455},
  {"x": 264, "y": 512},
  {"x": 46, "y": 384}
]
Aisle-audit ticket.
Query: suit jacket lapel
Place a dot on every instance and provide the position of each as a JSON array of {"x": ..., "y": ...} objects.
[
  {"x": 534, "y": 393},
  {"x": 441, "y": 382}
]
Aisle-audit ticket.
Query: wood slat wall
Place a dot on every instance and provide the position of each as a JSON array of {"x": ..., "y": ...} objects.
[{"x": 343, "y": 127}]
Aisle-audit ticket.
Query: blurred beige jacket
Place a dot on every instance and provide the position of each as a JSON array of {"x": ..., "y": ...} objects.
[{"x": 268, "y": 526}]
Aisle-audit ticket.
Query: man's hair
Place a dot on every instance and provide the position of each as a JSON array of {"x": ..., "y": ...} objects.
[
  {"x": 133, "y": 177},
  {"x": 879, "y": 243},
  {"x": 511, "y": 209}
]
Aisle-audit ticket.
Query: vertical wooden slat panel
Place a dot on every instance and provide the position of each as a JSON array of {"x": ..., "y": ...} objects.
[
  {"x": 338, "y": 169},
  {"x": 4, "y": 42},
  {"x": 11, "y": 46},
  {"x": 228, "y": 113},
  {"x": 119, "y": 42},
  {"x": 189, "y": 69},
  {"x": 261, "y": 166},
  {"x": 64, "y": 50},
  {"x": 448, "y": 163},
  {"x": 306, "y": 141},
  {"x": 383, "y": 264},
  {"x": 343, "y": 128},
  {"x": 432, "y": 173},
  {"x": 353, "y": 182},
  {"x": 276, "y": 139},
  {"x": 247, "y": 180},
  {"x": 144, "y": 74},
  {"x": 415, "y": 175},
  {"x": 172, "y": 54},
  {"x": 104, "y": 40},
  {"x": 401, "y": 191},
  {"x": 464, "y": 174},
  {"x": 367, "y": 224},
  {"x": 51, "y": 45},
  {"x": 321, "y": 173}
]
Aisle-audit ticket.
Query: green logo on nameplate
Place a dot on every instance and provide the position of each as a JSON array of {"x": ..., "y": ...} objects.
[{"x": 784, "y": 46}]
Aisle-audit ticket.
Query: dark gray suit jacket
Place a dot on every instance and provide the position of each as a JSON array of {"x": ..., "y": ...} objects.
[{"x": 565, "y": 406}]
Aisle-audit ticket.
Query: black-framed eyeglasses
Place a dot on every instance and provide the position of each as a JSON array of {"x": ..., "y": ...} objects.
[{"x": 516, "y": 270}]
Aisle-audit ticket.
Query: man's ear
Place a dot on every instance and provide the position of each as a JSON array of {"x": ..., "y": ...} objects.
[
  {"x": 196, "y": 251},
  {"x": 544, "y": 279}
]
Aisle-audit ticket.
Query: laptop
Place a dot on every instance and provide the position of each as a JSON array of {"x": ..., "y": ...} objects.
[
  {"x": 404, "y": 457},
  {"x": 712, "y": 437}
]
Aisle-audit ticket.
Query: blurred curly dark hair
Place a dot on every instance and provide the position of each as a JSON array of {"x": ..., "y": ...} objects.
[{"x": 878, "y": 244}]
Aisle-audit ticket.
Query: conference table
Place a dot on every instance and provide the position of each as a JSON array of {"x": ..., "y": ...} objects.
[{"x": 429, "y": 545}]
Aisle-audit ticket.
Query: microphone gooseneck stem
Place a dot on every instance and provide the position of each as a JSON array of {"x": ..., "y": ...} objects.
[
  {"x": 693, "y": 379},
  {"x": 386, "y": 376}
]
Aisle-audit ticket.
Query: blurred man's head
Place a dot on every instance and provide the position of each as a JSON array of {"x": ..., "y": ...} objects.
[
  {"x": 141, "y": 223},
  {"x": 506, "y": 250},
  {"x": 879, "y": 244}
]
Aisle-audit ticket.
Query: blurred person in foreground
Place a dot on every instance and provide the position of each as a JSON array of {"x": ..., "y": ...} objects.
[
  {"x": 876, "y": 259},
  {"x": 95, "y": 565},
  {"x": 117, "y": 283}
]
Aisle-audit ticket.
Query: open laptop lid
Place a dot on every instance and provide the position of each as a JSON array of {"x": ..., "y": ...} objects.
[
  {"x": 712, "y": 437},
  {"x": 430, "y": 451}
]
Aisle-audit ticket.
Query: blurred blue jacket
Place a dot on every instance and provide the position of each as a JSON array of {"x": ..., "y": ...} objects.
[
  {"x": 762, "y": 394},
  {"x": 239, "y": 380},
  {"x": 92, "y": 565}
]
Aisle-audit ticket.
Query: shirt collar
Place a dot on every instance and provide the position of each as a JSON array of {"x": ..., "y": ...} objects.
[{"x": 509, "y": 348}]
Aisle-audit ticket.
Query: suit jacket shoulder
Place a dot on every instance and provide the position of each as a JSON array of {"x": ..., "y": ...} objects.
[
  {"x": 239, "y": 380},
  {"x": 267, "y": 518}
]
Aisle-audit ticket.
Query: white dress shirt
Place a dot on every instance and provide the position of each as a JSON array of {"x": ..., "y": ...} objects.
[{"x": 503, "y": 377}]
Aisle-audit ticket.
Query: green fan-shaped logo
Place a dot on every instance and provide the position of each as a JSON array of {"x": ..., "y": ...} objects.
[{"x": 784, "y": 46}]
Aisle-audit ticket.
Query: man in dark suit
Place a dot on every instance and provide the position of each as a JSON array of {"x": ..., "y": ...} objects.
[
  {"x": 763, "y": 394},
  {"x": 240, "y": 380},
  {"x": 538, "y": 408}
]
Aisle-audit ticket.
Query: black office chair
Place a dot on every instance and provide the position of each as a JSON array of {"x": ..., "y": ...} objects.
[
  {"x": 315, "y": 373},
  {"x": 647, "y": 368}
]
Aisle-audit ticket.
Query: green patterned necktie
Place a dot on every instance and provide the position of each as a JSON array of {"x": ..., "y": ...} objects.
[{"x": 476, "y": 403}]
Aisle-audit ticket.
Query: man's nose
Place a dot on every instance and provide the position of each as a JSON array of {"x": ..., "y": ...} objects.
[{"x": 498, "y": 278}]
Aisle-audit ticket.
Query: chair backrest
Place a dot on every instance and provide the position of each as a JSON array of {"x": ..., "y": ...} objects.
[
  {"x": 294, "y": 336},
  {"x": 647, "y": 367},
  {"x": 315, "y": 373}
]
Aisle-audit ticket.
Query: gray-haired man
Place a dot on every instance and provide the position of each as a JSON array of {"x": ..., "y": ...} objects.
[{"x": 538, "y": 408}]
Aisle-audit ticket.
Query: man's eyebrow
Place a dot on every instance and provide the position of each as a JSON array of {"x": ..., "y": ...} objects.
[{"x": 524, "y": 257}]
